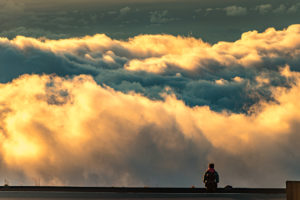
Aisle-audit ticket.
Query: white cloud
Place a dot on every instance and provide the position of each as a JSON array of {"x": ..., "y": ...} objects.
[
  {"x": 125, "y": 10},
  {"x": 264, "y": 8},
  {"x": 281, "y": 9},
  {"x": 293, "y": 9},
  {"x": 209, "y": 9},
  {"x": 235, "y": 10}
]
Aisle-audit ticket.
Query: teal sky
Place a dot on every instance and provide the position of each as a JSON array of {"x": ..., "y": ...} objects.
[{"x": 212, "y": 21}]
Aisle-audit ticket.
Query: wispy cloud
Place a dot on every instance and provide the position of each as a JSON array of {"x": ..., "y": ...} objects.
[
  {"x": 280, "y": 9},
  {"x": 160, "y": 17},
  {"x": 235, "y": 10},
  {"x": 125, "y": 10},
  {"x": 264, "y": 8}
]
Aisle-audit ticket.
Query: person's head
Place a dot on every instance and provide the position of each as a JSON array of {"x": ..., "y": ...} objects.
[{"x": 211, "y": 165}]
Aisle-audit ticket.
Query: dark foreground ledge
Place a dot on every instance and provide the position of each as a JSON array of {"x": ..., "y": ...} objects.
[{"x": 141, "y": 189}]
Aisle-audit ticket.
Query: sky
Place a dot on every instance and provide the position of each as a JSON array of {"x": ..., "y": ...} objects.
[
  {"x": 210, "y": 20},
  {"x": 147, "y": 93}
]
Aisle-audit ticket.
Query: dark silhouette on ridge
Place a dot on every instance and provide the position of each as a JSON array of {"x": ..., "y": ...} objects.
[{"x": 211, "y": 178}]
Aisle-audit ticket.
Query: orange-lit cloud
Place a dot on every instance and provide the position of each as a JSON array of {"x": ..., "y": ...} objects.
[
  {"x": 159, "y": 53},
  {"x": 148, "y": 64},
  {"x": 151, "y": 110},
  {"x": 73, "y": 131}
]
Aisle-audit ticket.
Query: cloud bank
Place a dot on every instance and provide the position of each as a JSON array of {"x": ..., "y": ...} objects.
[
  {"x": 71, "y": 131},
  {"x": 228, "y": 75},
  {"x": 151, "y": 110}
]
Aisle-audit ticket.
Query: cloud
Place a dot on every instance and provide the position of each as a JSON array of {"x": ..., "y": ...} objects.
[
  {"x": 72, "y": 131},
  {"x": 88, "y": 19},
  {"x": 198, "y": 10},
  {"x": 32, "y": 32},
  {"x": 86, "y": 111},
  {"x": 284, "y": 9},
  {"x": 280, "y": 10},
  {"x": 235, "y": 11},
  {"x": 294, "y": 8},
  {"x": 125, "y": 10},
  {"x": 159, "y": 17},
  {"x": 113, "y": 12},
  {"x": 154, "y": 64},
  {"x": 210, "y": 10},
  {"x": 264, "y": 8}
]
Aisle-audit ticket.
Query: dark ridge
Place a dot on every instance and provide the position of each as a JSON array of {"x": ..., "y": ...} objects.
[{"x": 141, "y": 189}]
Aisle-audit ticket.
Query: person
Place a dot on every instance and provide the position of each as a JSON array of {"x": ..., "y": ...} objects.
[{"x": 211, "y": 178}]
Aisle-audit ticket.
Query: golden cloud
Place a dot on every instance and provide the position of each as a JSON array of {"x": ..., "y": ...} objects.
[
  {"x": 155, "y": 53},
  {"x": 51, "y": 125},
  {"x": 73, "y": 131}
]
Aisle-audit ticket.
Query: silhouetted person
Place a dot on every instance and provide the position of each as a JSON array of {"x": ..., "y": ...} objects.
[{"x": 211, "y": 178}]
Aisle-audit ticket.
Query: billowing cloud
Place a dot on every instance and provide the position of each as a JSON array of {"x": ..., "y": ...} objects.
[
  {"x": 71, "y": 131},
  {"x": 235, "y": 10},
  {"x": 153, "y": 64},
  {"x": 151, "y": 110}
]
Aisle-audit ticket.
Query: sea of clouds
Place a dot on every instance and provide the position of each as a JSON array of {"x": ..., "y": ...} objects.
[{"x": 152, "y": 110}]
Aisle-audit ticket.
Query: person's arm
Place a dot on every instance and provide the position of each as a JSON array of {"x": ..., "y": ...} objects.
[
  {"x": 205, "y": 177},
  {"x": 217, "y": 177}
]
